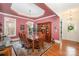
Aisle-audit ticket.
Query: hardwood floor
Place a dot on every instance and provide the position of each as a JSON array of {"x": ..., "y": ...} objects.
[{"x": 69, "y": 48}]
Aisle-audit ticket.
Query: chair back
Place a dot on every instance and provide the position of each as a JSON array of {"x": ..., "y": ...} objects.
[
  {"x": 41, "y": 38},
  {"x": 23, "y": 38}
]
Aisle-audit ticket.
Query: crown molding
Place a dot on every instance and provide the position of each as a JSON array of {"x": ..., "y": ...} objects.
[
  {"x": 16, "y": 16},
  {"x": 45, "y": 17}
]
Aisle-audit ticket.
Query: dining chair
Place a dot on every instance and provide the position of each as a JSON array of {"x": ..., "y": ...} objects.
[
  {"x": 24, "y": 40},
  {"x": 41, "y": 38},
  {"x": 28, "y": 43}
]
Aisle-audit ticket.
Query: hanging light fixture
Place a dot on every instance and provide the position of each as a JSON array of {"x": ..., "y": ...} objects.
[
  {"x": 70, "y": 25},
  {"x": 70, "y": 15}
]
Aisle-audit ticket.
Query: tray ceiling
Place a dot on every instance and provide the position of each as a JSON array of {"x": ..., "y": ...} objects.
[{"x": 27, "y": 9}]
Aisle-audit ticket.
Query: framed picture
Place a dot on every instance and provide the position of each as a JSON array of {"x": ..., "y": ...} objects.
[
  {"x": 0, "y": 24},
  {"x": 0, "y": 27},
  {"x": 9, "y": 26},
  {"x": 22, "y": 27}
]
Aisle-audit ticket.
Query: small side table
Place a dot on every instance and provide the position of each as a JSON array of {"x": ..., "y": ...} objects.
[{"x": 7, "y": 51}]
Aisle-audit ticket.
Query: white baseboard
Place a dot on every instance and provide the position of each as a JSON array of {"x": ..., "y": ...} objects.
[
  {"x": 57, "y": 41},
  {"x": 72, "y": 40}
]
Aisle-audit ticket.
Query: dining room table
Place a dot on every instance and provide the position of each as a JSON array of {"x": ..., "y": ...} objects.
[{"x": 33, "y": 38}]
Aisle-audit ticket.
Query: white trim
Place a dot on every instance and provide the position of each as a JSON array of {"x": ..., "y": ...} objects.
[
  {"x": 57, "y": 41},
  {"x": 71, "y": 40},
  {"x": 15, "y": 16},
  {"x": 45, "y": 17},
  {"x": 27, "y": 18}
]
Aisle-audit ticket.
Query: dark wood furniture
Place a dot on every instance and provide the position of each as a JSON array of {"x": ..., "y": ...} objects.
[
  {"x": 28, "y": 43},
  {"x": 41, "y": 38},
  {"x": 24, "y": 40},
  {"x": 46, "y": 29},
  {"x": 7, "y": 51}
]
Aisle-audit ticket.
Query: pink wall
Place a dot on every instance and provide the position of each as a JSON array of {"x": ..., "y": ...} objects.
[
  {"x": 20, "y": 22},
  {"x": 54, "y": 22}
]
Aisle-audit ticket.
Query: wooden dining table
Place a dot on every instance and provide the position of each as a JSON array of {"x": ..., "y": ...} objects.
[{"x": 33, "y": 38}]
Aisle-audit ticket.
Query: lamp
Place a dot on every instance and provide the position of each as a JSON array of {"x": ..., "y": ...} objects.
[{"x": 70, "y": 15}]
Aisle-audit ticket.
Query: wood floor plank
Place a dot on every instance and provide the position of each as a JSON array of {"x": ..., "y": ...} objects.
[{"x": 69, "y": 48}]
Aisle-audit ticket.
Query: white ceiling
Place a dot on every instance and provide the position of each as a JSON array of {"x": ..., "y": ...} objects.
[
  {"x": 61, "y": 9},
  {"x": 27, "y": 9},
  {"x": 64, "y": 9}
]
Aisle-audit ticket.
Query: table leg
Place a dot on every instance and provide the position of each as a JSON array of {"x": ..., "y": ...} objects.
[{"x": 33, "y": 46}]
